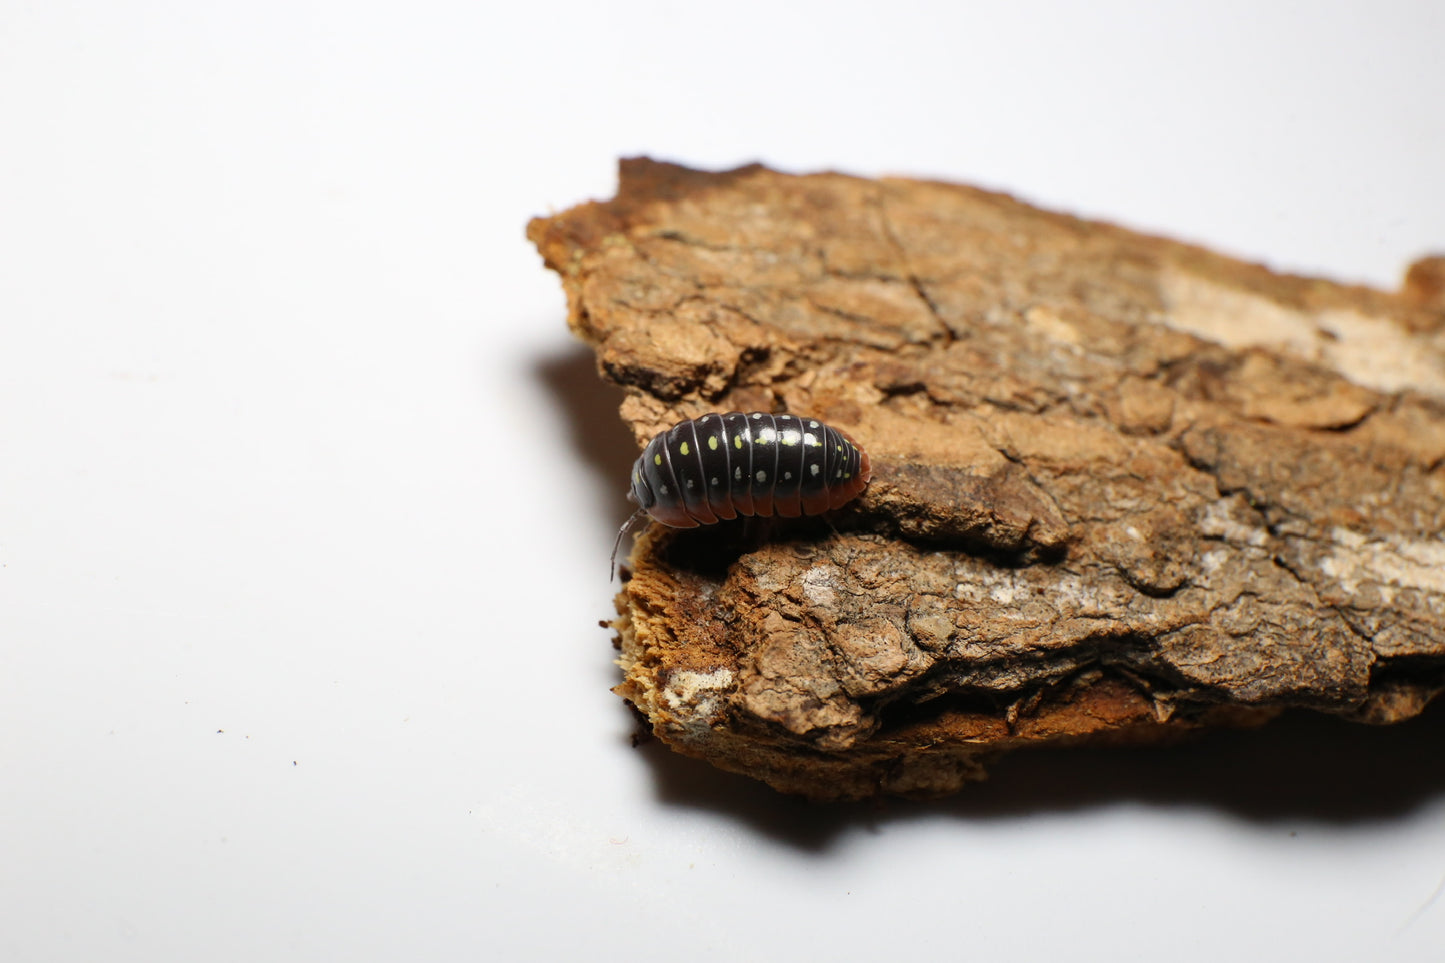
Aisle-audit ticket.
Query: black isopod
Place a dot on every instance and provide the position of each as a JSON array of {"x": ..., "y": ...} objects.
[{"x": 721, "y": 466}]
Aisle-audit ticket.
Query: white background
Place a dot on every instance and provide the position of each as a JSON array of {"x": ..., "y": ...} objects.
[{"x": 306, "y": 496}]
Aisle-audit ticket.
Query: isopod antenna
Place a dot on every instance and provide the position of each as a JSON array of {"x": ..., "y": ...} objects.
[{"x": 632, "y": 523}]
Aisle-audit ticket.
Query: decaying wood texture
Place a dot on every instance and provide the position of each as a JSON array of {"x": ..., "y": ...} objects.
[{"x": 1122, "y": 486}]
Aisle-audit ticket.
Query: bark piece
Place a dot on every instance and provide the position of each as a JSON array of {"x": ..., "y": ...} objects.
[{"x": 1123, "y": 486}]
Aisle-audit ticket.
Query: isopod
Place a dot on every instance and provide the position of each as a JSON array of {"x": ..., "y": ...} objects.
[{"x": 721, "y": 466}]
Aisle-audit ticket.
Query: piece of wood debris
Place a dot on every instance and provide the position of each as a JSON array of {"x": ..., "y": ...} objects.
[{"x": 1122, "y": 487}]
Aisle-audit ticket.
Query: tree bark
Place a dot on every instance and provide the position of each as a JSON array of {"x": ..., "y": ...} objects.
[{"x": 1123, "y": 486}]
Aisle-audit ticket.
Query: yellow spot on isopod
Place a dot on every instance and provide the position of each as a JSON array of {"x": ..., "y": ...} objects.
[
  {"x": 712, "y": 442},
  {"x": 683, "y": 449},
  {"x": 657, "y": 459},
  {"x": 737, "y": 441}
]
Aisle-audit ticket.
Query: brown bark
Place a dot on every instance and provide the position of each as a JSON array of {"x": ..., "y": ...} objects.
[{"x": 1122, "y": 486}]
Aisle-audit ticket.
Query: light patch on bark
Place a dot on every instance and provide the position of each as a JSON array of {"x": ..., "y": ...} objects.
[
  {"x": 1388, "y": 560},
  {"x": 819, "y": 586},
  {"x": 698, "y": 700},
  {"x": 1218, "y": 520},
  {"x": 1370, "y": 351}
]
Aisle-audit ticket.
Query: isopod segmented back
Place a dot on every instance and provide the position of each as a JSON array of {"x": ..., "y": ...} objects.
[{"x": 722, "y": 466}]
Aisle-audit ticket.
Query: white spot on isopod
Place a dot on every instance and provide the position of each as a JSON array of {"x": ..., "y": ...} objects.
[
  {"x": 762, "y": 476},
  {"x": 813, "y": 470}
]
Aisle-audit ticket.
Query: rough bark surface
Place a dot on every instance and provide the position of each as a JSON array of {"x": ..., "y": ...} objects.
[{"x": 1122, "y": 486}]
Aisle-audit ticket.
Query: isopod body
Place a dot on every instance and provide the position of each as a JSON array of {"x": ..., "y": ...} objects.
[{"x": 722, "y": 466}]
